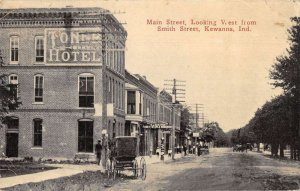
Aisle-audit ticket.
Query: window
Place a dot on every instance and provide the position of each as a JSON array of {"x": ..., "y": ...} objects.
[
  {"x": 114, "y": 57},
  {"x": 85, "y": 136},
  {"x": 114, "y": 130},
  {"x": 110, "y": 90},
  {"x": 121, "y": 96},
  {"x": 117, "y": 94},
  {"x": 86, "y": 90},
  {"x": 37, "y": 132},
  {"x": 111, "y": 56},
  {"x": 161, "y": 113},
  {"x": 13, "y": 79},
  {"x": 113, "y": 91},
  {"x": 39, "y": 49},
  {"x": 12, "y": 123},
  {"x": 14, "y": 49},
  {"x": 140, "y": 105},
  {"x": 13, "y": 84},
  {"x": 122, "y": 60},
  {"x": 107, "y": 53},
  {"x": 38, "y": 88},
  {"x": 131, "y": 102},
  {"x": 117, "y": 58}
]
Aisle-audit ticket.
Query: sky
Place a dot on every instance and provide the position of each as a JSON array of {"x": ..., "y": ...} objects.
[{"x": 227, "y": 72}]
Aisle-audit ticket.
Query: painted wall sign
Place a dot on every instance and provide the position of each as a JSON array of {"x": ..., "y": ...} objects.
[{"x": 73, "y": 46}]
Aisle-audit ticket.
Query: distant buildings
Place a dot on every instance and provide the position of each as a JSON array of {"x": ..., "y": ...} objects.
[
  {"x": 149, "y": 114},
  {"x": 166, "y": 119}
]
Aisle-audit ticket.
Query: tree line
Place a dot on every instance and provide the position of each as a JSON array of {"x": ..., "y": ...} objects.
[{"x": 277, "y": 122}]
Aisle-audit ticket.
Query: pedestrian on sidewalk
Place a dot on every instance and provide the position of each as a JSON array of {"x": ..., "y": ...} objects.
[
  {"x": 98, "y": 150},
  {"x": 184, "y": 150},
  {"x": 199, "y": 150},
  {"x": 162, "y": 149}
]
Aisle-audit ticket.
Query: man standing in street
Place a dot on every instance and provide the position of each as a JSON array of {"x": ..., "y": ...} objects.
[
  {"x": 98, "y": 150},
  {"x": 162, "y": 149}
]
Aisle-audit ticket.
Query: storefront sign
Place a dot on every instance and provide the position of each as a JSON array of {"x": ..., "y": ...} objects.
[
  {"x": 73, "y": 46},
  {"x": 158, "y": 126}
]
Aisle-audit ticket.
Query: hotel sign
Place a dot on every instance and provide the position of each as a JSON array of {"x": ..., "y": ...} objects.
[{"x": 73, "y": 46}]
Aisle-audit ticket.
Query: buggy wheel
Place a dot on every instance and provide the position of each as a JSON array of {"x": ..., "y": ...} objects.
[
  {"x": 108, "y": 168},
  {"x": 135, "y": 168},
  {"x": 143, "y": 168},
  {"x": 114, "y": 169}
]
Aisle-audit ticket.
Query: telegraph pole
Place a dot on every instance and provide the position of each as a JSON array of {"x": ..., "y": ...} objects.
[
  {"x": 196, "y": 110},
  {"x": 175, "y": 90}
]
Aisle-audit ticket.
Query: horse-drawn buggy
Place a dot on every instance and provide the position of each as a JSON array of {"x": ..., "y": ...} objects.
[{"x": 124, "y": 157}]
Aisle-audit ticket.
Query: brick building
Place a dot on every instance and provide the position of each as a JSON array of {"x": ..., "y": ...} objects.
[
  {"x": 141, "y": 112},
  {"x": 165, "y": 120},
  {"x": 69, "y": 67}
]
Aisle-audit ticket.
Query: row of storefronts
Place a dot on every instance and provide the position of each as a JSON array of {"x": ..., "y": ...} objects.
[{"x": 149, "y": 114}]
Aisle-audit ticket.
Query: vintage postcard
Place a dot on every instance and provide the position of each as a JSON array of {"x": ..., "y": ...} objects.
[{"x": 149, "y": 95}]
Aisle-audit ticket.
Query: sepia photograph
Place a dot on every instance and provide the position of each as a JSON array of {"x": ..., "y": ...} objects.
[{"x": 149, "y": 95}]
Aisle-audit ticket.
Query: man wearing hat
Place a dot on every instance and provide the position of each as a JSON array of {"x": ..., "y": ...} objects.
[{"x": 98, "y": 150}]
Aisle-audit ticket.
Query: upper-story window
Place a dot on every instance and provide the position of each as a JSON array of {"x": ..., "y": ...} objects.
[
  {"x": 140, "y": 105},
  {"x": 38, "y": 88},
  {"x": 39, "y": 49},
  {"x": 131, "y": 102},
  {"x": 13, "y": 81},
  {"x": 86, "y": 90},
  {"x": 161, "y": 113},
  {"x": 14, "y": 49}
]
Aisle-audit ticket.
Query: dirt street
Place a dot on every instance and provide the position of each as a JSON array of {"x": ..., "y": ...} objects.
[{"x": 222, "y": 169}]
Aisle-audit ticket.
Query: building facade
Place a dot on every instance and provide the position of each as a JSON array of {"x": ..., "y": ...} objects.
[
  {"x": 69, "y": 66},
  {"x": 141, "y": 112},
  {"x": 168, "y": 114}
]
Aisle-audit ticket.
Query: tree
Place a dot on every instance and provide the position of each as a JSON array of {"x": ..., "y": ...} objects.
[
  {"x": 271, "y": 123},
  {"x": 9, "y": 100},
  {"x": 285, "y": 74},
  {"x": 213, "y": 132}
]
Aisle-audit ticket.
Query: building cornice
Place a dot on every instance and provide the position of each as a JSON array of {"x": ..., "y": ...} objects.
[
  {"x": 59, "y": 17},
  {"x": 55, "y": 110}
]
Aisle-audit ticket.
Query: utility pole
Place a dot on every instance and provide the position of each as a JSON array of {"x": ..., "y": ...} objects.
[
  {"x": 175, "y": 90},
  {"x": 196, "y": 110}
]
